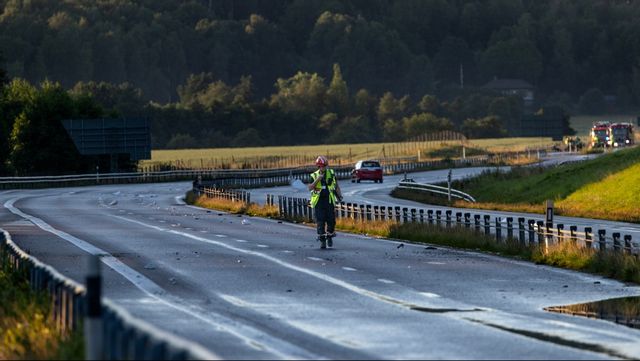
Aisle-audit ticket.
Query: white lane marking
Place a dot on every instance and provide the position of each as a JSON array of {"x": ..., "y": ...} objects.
[
  {"x": 349, "y": 269},
  {"x": 263, "y": 246},
  {"x": 315, "y": 259},
  {"x": 241, "y": 240},
  {"x": 384, "y": 280},
  {"x": 337, "y": 282},
  {"x": 236, "y": 301},
  {"x": 244, "y": 332},
  {"x": 436, "y": 263},
  {"x": 287, "y": 251},
  {"x": 429, "y": 294},
  {"x": 220, "y": 235}
]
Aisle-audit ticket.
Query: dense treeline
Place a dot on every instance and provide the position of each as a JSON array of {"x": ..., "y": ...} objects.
[{"x": 409, "y": 47}]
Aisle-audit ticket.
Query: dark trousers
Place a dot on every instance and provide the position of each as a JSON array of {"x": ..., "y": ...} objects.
[{"x": 325, "y": 215}]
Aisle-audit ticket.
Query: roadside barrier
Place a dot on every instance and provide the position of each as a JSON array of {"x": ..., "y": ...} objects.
[
  {"x": 123, "y": 337},
  {"x": 226, "y": 194},
  {"x": 432, "y": 188},
  {"x": 525, "y": 231},
  {"x": 247, "y": 178}
]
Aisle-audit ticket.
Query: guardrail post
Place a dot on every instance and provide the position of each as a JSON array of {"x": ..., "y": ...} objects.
[
  {"x": 531, "y": 224},
  {"x": 498, "y": 221},
  {"x": 628, "y": 246},
  {"x": 93, "y": 318},
  {"x": 476, "y": 221},
  {"x": 572, "y": 234},
  {"x": 448, "y": 217},
  {"x": 548, "y": 232},
  {"x": 509, "y": 227},
  {"x": 541, "y": 234},
  {"x": 362, "y": 211},
  {"x": 390, "y": 213},
  {"x": 397, "y": 209},
  {"x": 588, "y": 237},
  {"x": 458, "y": 218},
  {"x": 430, "y": 215},
  {"x": 560, "y": 227},
  {"x": 438, "y": 216},
  {"x": 421, "y": 212},
  {"x": 383, "y": 213},
  {"x": 283, "y": 206},
  {"x": 467, "y": 220},
  {"x": 487, "y": 224},
  {"x": 376, "y": 213},
  {"x": 413, "y": 215},
  {"x": 617, "y": 247},
  {"x": 368, "y": 211},
  {"x": 405, "y": 214},
  {"x": 602, "y": 239}
]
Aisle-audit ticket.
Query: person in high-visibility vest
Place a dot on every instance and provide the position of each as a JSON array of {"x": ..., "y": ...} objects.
[{"x": 325, "y": 193}]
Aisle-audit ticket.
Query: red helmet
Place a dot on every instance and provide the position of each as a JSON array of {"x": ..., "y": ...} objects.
[{"x": 321, "y": 161}]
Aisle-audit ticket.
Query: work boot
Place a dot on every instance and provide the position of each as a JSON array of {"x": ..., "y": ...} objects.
[
  {"x": 330, "y": 236},
  {"x": 323, "y": 242}
]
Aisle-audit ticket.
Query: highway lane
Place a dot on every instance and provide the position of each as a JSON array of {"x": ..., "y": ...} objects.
[
  {"x": 250, "y": 288},
  {"x": 368, "y": 192}
]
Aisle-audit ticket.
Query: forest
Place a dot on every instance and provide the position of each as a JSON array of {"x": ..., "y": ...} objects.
[{"x": 265, "y": 72}]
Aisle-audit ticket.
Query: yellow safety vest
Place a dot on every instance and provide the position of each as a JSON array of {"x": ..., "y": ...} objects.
[{"x": 330, "y": 179}]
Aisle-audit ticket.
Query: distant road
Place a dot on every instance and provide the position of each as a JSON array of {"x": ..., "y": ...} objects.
[{"x": 251, "y": 288}]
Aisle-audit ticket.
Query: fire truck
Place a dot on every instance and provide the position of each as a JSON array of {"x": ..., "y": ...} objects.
[
  {"x": 600, "y": 134},
  {"x": 621, "y": 134}
]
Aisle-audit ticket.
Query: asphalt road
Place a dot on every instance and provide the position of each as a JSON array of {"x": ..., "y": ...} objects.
[{"x": 251, "y": 288}]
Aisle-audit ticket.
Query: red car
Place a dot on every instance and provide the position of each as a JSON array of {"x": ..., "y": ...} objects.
[{"x": 367, "y": 170}]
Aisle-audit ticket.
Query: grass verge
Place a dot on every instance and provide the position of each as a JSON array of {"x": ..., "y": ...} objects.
[
  {"x": 27, "y": 331},
  {"x": 604, "y": 188},
  {"x": 566, "y": 255}
]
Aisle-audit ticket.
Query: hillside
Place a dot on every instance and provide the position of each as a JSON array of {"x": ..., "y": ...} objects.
[
  {"x": 413, "y": 47},
  {"x": 606, "y": 187}
]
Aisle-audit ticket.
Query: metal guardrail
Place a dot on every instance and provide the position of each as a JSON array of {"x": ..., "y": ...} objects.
[
  {"x": 243, "y": 178},
  {"x": 123, "y": 338},
  {"x": 527, "y": 231},
  {"x": 432, "y": 188}
]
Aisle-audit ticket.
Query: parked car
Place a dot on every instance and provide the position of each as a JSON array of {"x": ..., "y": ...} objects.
[{"x": 367, "y": 170}]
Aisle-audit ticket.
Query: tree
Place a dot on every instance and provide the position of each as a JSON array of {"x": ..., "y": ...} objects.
[
  {"x": 592, "y": 102},
  {"x": 4, "y": 79},
  {"x": 39, "y": 143},
  {"x": 182, "y": 141},
  {"x": 338, "y": 93},
  {"x": 352, "y": 130},
  {"x": 247, "y": 138},
  {"x": 429, "y": 104},
  {"x": 453, "y": 58},
  {"x": 194, "y": 86},
  {"x": 390, "y": 107},
  {"x": 303, "y": 93},
  {"x": 487, "y": 127},
  {"x": 424, "y": 123},
  {"x": 122, "y": 100},
  {"x": 513, "y": 58}
]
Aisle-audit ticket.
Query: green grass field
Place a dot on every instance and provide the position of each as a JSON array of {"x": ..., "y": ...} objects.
[
  {"x": 338, "y": 154},
  {"x": 606, "y": 187}
]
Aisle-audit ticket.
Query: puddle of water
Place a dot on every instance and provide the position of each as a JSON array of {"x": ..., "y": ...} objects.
[{"x": 624, "y": 311}]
